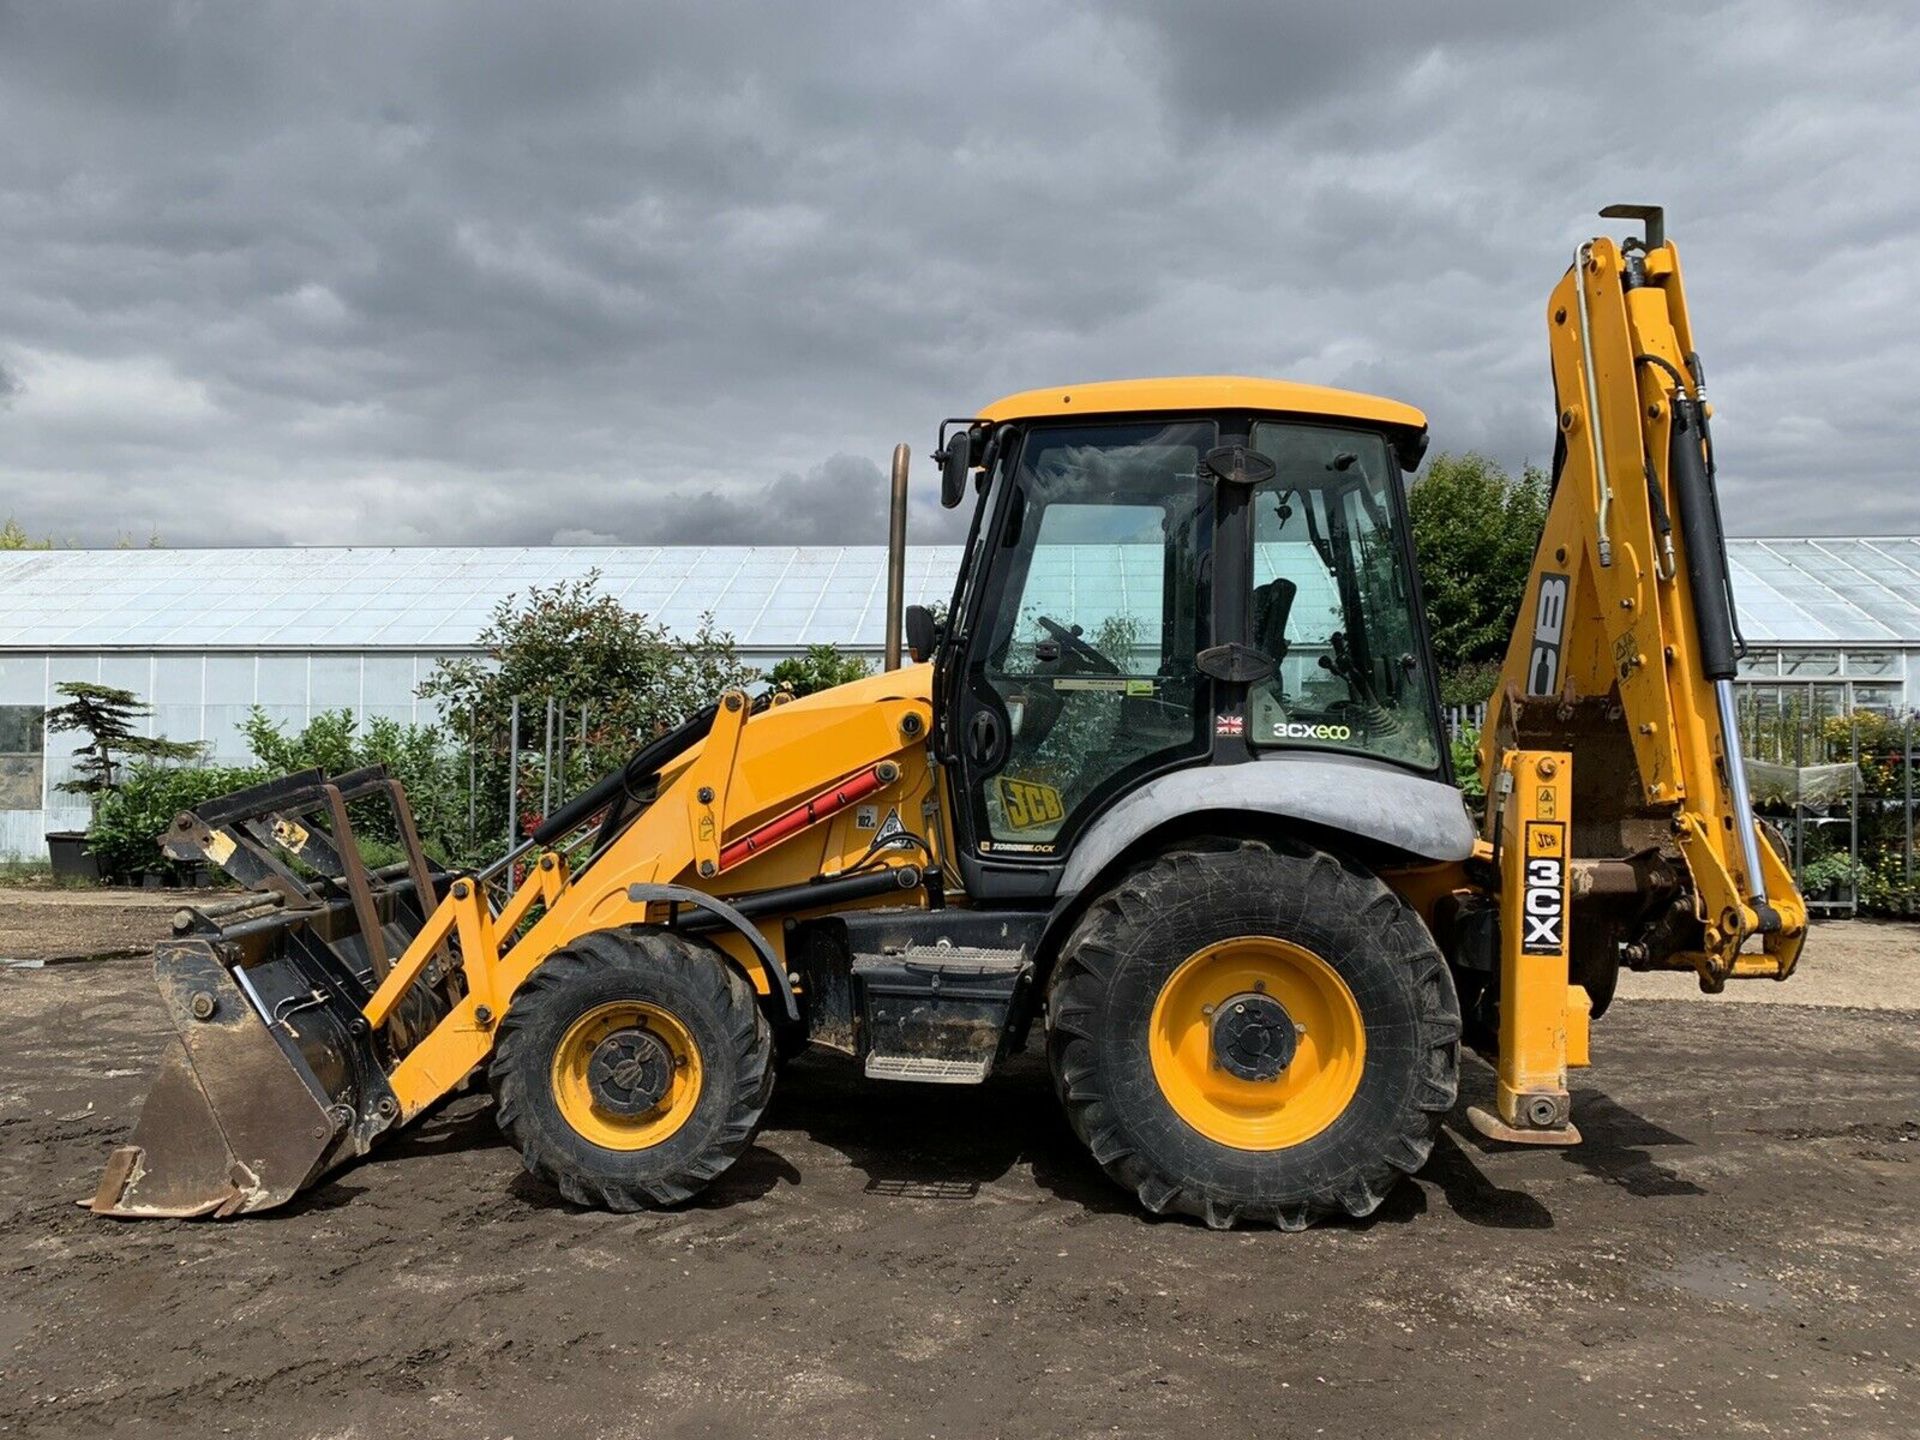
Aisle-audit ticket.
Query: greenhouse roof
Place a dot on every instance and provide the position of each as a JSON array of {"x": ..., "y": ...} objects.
[
  {"x": 1828, "y": 590},
  {"x": 772, "y": 598},
  {"x": 769, "y": 597}
]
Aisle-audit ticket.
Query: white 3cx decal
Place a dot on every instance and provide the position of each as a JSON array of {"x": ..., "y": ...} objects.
[{"x": 1290, "y": 730}]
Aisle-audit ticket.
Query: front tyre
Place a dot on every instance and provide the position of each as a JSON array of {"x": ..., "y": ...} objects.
[
  {"x": 632, "y": 1067},
  {"x": 1248, "y": 1036}
]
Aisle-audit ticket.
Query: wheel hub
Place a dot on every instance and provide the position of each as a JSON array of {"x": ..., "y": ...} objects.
[
  {"x": 1253, "y": 1036},
  {"x": 630, "y": 1072}
]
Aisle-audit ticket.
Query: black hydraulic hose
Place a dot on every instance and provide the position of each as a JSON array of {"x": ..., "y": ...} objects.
[{"x": 622, "y": 782}]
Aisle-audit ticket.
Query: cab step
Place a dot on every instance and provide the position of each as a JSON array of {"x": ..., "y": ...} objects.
[{"x": 938, "y": 1014}]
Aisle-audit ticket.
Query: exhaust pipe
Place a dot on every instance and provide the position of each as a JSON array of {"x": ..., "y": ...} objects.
[{"x": 896, "y": 556}]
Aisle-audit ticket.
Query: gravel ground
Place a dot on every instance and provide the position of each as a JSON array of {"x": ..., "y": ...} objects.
[{"x": 1733, "y": 1251}]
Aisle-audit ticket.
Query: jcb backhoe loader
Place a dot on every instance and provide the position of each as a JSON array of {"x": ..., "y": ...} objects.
[{"x": 1169, "y": 777}]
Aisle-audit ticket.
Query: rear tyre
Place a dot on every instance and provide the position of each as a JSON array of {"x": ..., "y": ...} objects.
[
  {"x": 1253, "y": 1037},
  {"x": 632, "y": 1068}
]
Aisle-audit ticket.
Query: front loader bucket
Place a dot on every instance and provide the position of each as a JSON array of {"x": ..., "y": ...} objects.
[
  {"x": 236, "y": 1120},
  {"x": 273, "y": 1078}
]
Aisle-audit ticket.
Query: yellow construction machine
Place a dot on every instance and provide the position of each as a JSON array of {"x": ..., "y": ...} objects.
[{"x": 1168, "y": 776}]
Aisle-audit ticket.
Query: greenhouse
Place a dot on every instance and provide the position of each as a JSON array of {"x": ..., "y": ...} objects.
[{"x": 204, "y": 636}]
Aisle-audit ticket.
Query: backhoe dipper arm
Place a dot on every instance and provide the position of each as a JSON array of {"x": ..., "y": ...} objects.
[{"x": 1625, "y": 652}]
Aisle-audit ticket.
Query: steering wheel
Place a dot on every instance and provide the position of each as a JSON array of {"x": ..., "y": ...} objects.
[{"x": 1090, "y": 660}]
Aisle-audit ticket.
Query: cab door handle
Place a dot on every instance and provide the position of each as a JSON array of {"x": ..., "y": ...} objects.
[{"x": 983, "y": 737}]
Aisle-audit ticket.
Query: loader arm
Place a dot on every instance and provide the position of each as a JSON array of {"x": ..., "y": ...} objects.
[{"x": 1620, "y": 670}]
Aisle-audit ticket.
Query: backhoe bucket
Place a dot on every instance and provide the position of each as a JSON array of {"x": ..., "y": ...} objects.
[{"x": 273, "y": 1078}]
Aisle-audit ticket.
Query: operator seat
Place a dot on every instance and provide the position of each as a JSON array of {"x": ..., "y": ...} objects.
[{"x": 1272, "y": 604}]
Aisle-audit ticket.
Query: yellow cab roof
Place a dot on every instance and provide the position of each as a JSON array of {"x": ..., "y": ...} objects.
[{"x": 1203, "y": 392}]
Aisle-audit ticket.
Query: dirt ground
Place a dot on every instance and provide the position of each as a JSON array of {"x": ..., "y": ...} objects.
[
  {"x": 45, "y": 923},
  {"x": 1735, "y": 1250}
]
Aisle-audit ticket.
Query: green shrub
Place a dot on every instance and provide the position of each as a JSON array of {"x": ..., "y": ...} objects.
[
  {"x": 821, "y": 668},
  {"x": 416, "y": 755},
  {"x": 131, "y": 816}
]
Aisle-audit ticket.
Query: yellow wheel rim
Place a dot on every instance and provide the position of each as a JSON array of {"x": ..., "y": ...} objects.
[
  {"x": 1198, "y": 1041},
  {"x": 626, "y": 1075}
]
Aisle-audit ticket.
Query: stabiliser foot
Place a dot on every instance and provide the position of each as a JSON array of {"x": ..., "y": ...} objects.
[{"x": 1494, "y": 1128}]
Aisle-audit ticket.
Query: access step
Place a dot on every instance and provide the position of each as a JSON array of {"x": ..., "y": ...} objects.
[{"x": 937, "y": 1014}]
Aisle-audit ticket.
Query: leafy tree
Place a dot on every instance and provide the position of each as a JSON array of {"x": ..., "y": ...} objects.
[
  {"x": 14, "y": 537},
  {"x": 106, "y": 714},
  {"x": 616, "y": 680},
  {"x": 1475, "y": 529},
  {"x": 821, "y": 668}
]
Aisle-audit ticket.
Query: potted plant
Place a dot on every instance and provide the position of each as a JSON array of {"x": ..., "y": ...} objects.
[{"x": 105, "y": 714}]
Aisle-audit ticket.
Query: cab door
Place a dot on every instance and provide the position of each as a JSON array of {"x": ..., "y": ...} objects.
[{"x": 1076, "y": 674}]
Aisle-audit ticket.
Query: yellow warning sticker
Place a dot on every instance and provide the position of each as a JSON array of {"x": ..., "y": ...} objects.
[{"x": 1029, "y": 803}]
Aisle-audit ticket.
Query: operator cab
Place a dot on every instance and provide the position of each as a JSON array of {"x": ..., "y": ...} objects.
[{"x": 1171, "y": 574}]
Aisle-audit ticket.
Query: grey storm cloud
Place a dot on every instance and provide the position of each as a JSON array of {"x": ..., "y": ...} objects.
[{"x": 488, "y": 272}]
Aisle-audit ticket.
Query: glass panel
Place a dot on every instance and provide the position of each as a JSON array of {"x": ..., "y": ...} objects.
[
  {"x": 23, "y": 679},
  {"x": 22, "y": 731},
  {"x": 177, "y": 679},
  {"x": 335, "y": 681},
  {"x": 230, "y": 680},
  {"x": 129, "y": 672},
  {"x": 1873, "y": 662},
  {"x": 1810, "y": 662},
  {"x": 1332, "y": 603},
  {"x": 1760, "y": 662},
  {"x": 1092, "y": 632},
  {"x": 22, "y": 782},
  {"x": 1881, "y": 699},
  {"x": 283, "y": 682}
]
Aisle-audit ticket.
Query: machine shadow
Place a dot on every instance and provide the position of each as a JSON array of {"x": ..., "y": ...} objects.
[
  {"x": 942, "y": 1142},
  {"x": 1614, "y": 1140}
]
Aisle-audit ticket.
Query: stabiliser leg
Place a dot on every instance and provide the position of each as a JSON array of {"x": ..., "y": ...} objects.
[{"x": 1543, "y": 1018}]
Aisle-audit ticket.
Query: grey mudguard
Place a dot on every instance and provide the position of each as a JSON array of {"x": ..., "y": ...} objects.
[{"x": 1375, "y": 802}]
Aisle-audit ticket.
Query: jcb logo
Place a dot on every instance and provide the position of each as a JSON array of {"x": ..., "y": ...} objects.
[
  {"x": 1029, "y": 804},
  {"x": 1549, "y": 624},
  {"x": 1543, "y": 903}
]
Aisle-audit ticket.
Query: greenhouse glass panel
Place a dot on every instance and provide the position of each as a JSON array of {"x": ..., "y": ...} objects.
[
  {"x": 1760, "y": 662},
  {"x": 334, "y": 683},
  {"x": 1810, "y": 662},
  {"x": 23, "y": 679},
  {"x": 282, "y": 681},
  {"x": 177, "y": 679},
  {"x": 1881, "y": 699},
  {"x": 230, "y": 680},
  {"x": 1873, "y": 662}
]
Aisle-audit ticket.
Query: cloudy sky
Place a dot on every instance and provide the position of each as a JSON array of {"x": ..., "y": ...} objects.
[{"x": 510, "y": 273}]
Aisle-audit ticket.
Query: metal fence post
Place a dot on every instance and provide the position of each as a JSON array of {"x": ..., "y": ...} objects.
[
  {"x": 546, "y": 766},
  {"x": 513, "y": 783},
  {"x": 1907, "y": 771}
]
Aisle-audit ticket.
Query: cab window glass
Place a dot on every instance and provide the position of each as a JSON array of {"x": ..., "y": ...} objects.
[{"x": 1333, "y": 603}]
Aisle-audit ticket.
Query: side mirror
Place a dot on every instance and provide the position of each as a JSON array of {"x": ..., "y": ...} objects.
[
  {"x": 956, "y": 464},
  {"x": 923, "y": 635},
  {"x": 1410, "y": 450}
]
